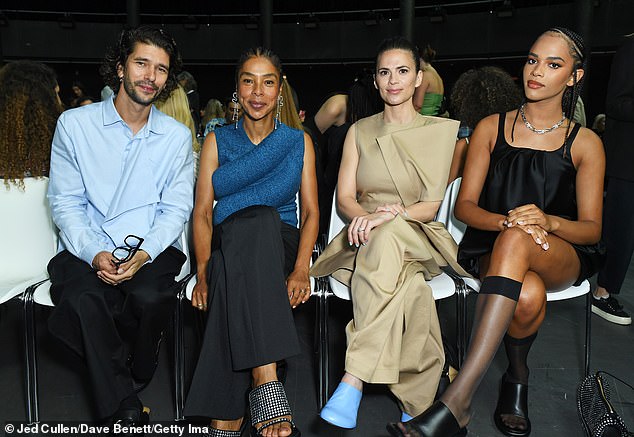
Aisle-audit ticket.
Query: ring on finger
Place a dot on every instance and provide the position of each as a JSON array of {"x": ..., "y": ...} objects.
[{"x": 360, "y": 229}]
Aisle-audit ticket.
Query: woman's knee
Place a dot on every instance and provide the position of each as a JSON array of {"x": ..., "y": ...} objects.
[
  {"x": 532, "y": 301},
  {"x": 513, "y": 242}
]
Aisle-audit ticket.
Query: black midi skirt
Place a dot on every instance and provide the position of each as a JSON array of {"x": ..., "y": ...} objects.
[{"x": 250, "y": 322}]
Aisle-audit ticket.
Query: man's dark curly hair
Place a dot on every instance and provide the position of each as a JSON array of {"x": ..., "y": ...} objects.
[
  {"x": 118, "y": 55},
  {"x": 483, "y": 91},
  {"x": 29, "y": 107}
]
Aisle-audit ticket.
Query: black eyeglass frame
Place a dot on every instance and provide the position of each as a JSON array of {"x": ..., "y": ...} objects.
[{"x": 131, "y": 250}]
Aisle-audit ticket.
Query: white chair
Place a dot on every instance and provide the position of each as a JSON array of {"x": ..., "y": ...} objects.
[
  {"x": 465, "y": 285},
  {"x": 442, "y": 286},
  {"x": 30, "y": 241},
  {"x": 41, "y": 295}
]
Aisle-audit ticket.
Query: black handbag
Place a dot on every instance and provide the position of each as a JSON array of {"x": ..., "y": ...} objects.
[{"x": 598, "y": 417}]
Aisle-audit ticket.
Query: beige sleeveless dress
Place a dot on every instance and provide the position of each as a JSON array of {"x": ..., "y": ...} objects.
[{"x": 395, "y": 337}]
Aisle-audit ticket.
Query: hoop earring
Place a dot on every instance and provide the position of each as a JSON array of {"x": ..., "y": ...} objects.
[
  {"x": 280, "y": 104},
  {"x": 234, "y": 116}
]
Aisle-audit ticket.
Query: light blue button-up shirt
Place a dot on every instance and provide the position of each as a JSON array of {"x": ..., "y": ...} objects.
[{"x": 106, "y": 183}]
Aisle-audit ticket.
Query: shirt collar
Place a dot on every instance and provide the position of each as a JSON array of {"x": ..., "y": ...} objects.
[{"x": 111, "y": 116}]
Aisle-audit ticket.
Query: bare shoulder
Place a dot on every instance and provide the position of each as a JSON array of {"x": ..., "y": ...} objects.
[
  {"x": 587, "y": 141},
  {"x": 336, "y": 103},
  {"x": 487, "y": 126},
  {"x": 587, "y": 144}
]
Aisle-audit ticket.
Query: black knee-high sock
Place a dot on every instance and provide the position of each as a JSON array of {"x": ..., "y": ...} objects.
[
  {"x": 517, "y": 350},
  {"x": 494, "y": 311}
]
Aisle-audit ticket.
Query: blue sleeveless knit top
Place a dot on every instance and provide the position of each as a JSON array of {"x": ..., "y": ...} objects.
[{"x": 265, "y": 174}]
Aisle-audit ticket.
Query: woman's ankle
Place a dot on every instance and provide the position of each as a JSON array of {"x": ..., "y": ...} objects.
[
  {"x": 263, "y": 374},
  {"x": 227, "y": 425},
  {"x": 353, "y": 381},
  {"x": 461, "y": 412}
]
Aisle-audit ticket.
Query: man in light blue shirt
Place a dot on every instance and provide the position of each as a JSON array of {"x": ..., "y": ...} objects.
[{"x": 121, "y": 190}]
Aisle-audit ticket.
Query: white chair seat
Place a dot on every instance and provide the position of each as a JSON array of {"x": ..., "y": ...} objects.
[
  {"x": 551, "y": 296},
  {"x": 10, "y": 290},
  {"x": 42, "y": 294}
]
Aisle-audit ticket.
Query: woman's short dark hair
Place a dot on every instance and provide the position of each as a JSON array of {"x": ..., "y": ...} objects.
[
  {"x": 118, "y": 55},
  {"x": 399, "y": 43},
  {"x": 256, "y": 53}
]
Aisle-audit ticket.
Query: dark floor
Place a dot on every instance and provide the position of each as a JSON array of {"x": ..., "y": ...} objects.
[{"x": 556, "y": 363}]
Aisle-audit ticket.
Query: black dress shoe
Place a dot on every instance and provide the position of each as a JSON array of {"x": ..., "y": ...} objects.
[
  {"x": 436, "y": 421},
  {"x": 513, "y": 401},
  {"x": 128, "y": 417}
]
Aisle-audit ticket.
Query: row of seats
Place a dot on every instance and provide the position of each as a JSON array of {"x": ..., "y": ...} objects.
[{"x": 30, "y": 235}]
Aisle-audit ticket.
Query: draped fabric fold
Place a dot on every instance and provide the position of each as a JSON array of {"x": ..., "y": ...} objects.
[{"x": 395, "y": 335}]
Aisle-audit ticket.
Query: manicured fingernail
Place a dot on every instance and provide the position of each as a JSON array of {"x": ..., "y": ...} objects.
[
  {"x": 364, "y": 244},
  {"x": 545, "y": 246},
  {"x": 529, "y": 231},
  {"x": 349, "y": 243},
  {"x": 356, "y": 244},
  {"x": 539, "y": 241},
  {"x": 520, "y": 222},
  {"x": 510, "y": 224}
]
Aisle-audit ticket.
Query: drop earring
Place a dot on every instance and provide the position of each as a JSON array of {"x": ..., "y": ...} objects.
[
  {"x": 280, "y": 104},
  {"x": 234, "y": 116}
]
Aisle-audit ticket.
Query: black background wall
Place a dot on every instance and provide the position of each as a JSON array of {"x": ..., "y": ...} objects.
[{"x": 324, "y": 59}]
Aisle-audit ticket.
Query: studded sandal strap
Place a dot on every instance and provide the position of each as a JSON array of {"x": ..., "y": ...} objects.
[
  {"x": 213, "y": 432},
  {"x": 268, "y": 401}
]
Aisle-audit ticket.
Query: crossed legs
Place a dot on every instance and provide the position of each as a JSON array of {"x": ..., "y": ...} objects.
[{"x": 515, "y": 257}]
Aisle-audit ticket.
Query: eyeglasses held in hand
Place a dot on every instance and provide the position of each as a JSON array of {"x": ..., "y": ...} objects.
[{"x": 123, "y": 254}]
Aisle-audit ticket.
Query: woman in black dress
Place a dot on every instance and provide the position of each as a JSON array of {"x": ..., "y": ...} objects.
[{"x": 532, "y": 197}]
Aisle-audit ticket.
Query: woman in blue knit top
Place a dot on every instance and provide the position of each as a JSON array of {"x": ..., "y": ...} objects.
[{"x": 252, "y": 259}]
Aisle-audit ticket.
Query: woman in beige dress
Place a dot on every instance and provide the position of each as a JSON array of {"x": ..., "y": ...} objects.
[{"x": 391, "y": 182}]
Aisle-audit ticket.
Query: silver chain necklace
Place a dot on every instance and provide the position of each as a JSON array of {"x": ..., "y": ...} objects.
[{"x": 541, "y": 131}]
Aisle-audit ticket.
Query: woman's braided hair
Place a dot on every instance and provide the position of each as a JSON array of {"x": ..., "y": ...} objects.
[{"x": 571, "y": 95}]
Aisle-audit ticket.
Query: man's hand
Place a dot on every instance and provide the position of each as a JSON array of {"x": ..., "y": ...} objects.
[
  {"x": 103, "y": 261},
  {"x": 125, "y": 271}
]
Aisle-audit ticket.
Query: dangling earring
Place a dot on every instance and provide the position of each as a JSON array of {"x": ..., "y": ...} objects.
[
  {"x": 280, "y": 103},
  {"x": 234, "y": 116}
]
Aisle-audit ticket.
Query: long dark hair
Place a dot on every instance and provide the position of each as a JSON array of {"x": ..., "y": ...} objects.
[
  {"x": 364, "y": 99},
  {"x": 29, "y": 107}
]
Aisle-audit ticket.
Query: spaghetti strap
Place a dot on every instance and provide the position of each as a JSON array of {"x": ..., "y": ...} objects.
[
  {"x": 501, "y": 138},
  {"x": 573, "y": 133}
]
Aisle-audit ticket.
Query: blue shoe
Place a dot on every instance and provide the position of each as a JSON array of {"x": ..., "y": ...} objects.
[
  {"x": 341, "y": 409},
  {"x": 405, "y": 417}
]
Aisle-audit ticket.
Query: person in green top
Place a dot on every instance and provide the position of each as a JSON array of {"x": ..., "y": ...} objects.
[{"x": 429, "y": 96}]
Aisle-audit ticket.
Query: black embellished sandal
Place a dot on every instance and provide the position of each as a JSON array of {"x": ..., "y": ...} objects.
[
  {"x": 513, "y": 401},
  {"x": 213, "y": 432},
  {"x": 436, "y": 421},
  {"x": 269, "y": 405}
]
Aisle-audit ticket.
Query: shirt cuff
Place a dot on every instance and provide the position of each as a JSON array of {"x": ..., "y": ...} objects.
[{"x": 89, "y": 252}]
